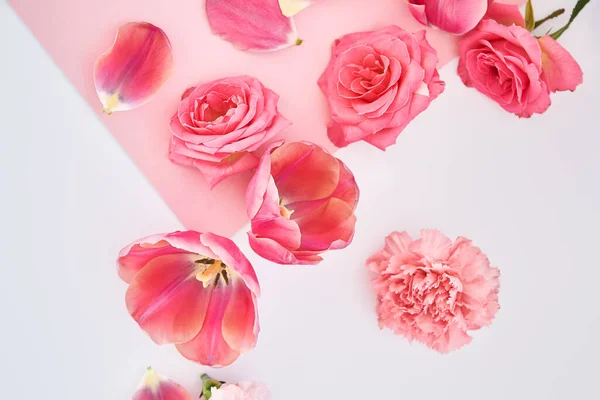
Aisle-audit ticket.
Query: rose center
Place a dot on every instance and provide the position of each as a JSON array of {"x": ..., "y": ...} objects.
[{"x": 211, "y": 272}]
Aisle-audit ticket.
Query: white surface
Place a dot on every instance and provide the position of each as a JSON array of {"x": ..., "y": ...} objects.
[{"x": 527, "y": 192}]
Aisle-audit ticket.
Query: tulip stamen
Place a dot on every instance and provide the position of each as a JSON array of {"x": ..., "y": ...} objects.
[{"x": 210, "y": 271}]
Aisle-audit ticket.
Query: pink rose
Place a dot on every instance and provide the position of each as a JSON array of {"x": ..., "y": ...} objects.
[
  {"x": 376, "y": 83},
  {"x": 432, "y": 290},
  {"x": 241, "y": 391},
  {"x": 219, "y": 124},
  {"x": 301, "y": 202},
  {"x": 505, "y": 62}
]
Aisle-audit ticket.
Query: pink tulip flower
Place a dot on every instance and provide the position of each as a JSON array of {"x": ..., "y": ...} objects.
[
  {"x": 195, "y": 290},
  {"x": 301, "y": 201}
]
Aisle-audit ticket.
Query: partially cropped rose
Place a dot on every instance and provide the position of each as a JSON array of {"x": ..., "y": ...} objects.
[
  {"x": 195, "y": 290},
  {"x": 376, "y": 83},
  {"x": 220, "y": 124},
  {"x": 241, "y": 391},
  {"x": 505, "y": 62},
  {"x": 433, "y": 290},
  {"x": 301, "y": 202}
]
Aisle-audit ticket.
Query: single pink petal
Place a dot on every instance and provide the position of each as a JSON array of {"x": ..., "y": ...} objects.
[
  {"x": 455, "y": 16},
  {"x": 254, "y": 25},
  {"x": 257, "y": 188},
  {"x": 132, "y": 71},
  {"x": 167, "y": 300},
  {"x": 289, "y": 8},
  {"x": 233, "y": 164},
  {"x": 505, "y": 14},
  {"x": 240, "y": 322},
  {"x": 560, "y": 70},
  {"x": 141, "y": 254},
  {"x": 156, "y": 387},
  {"x": 209, "y": 347},
  {"x": 417, "y": 9}
]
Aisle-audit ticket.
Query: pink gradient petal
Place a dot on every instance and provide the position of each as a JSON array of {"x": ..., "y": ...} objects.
[
  {"x": 417, "y": 9},
  {"x": 235, "y": 163},
  {"x": 133, "y": 70},
  {"x": 240, "y": 322},
  {"x": 257, "y": 188},
  {"x": 505, "y": 14},
  {"x": 560, "y": 70},
  {"x": 454, "y": 16},
  {"x": 273, "y": 251},
  {"x": 167, "y": 300},
  {"x": 156, "y": 387},
  {"x": 209, "y": 347},
  {"x": 254, "y": 25}
]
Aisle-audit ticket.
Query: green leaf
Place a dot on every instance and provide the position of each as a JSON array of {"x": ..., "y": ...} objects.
[
  {"x": 207, "y": 384},
  {"x": 529, "y": 17},
  {"x": 578, "y": 7},
  {"x": 555, "y": 14}
]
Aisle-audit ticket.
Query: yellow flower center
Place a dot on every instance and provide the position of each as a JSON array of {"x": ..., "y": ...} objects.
[{"x": 210, "y": 271}]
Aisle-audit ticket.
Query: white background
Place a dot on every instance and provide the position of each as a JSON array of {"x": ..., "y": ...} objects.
[{"x": 526, "y": 191}]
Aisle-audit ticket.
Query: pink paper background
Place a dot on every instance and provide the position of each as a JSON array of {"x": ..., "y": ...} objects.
[{"x": 76, "y": 32}]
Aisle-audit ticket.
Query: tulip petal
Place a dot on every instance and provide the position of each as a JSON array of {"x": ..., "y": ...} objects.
[
  {"x": 209, "y": 347},
  {"x": 454, "y": 16},
  {"x": 273, "y": 251},
  {"x": 235, "y": 163},
  {"x": 417, "y": 9},
  {"x": 240, "y": 322},
  {"x": 304, "y": 172},
  {"x": 560, "y": 70},
  {"x": 289, "y": 8},
  {"x": 132, "y": 71},
  {"x": 167, "y": 300},
  {"x": 254, "y": 25},
  {"x": 156, "y": 387}
]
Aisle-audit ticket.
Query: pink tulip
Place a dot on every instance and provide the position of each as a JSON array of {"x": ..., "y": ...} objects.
[
  {"x": 132, "y": 71},
  {"x": 156, "y": 387},
  {"x": 194, "y": 290},
  {"x": 301, "y": 201},
  {"x": 453, "y": 16}
]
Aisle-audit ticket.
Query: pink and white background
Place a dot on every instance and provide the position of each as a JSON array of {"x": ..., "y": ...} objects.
[{"x": 526, "y": 191}]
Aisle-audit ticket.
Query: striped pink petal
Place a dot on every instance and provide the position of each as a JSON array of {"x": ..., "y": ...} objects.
[
  {"x": 253, "y": 25},
  {"x": 132, "y": 71},
  {"x": 156, "y": 387}
]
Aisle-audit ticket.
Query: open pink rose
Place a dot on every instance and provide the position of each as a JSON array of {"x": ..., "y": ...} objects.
[
  {"x": 301, "y": 201},
  {"x": 241, "y": 391},
  {"x": 194, "y": 290},
  {"x": 376, "y": 83},
  {"x": 505, "y": 62},
  {"x": 219, "y": 124},
  {"x": 432, "y": 290}
]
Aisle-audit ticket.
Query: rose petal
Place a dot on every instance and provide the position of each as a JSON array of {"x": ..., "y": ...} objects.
[
  {"x": 254, "y": 25},
  {"x": 156, "y": 387},
  {"x": 132, "y": 71},
  {"x": 167, "y": 300},
  {"x": 233, "y": 164},
  {"x": 560, "y": 70}
]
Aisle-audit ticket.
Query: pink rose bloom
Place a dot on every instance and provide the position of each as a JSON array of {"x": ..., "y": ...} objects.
[
  {"x": 195, "y": 290},
  {"x": 301, "y": 203},
  {"x": 505, "y": 62},
  {"x": 241, "y": 391},
  {"x": 376, "y": 83},
  {"x": 221, "y": 123},
  {"x": 453, "y": 16},
  {"x": 432, "y": 290}
]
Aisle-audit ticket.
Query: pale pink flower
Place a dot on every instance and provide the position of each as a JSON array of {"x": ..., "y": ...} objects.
[
  {"x": 376, "y": 83},
  {"x": 131, "y": 72},
  {"x": 301, "y": 203},
  {"x": 220, "y": 124},
  {"x": 195, "y": 290},
  {"x": 505, "y": 62},
  {"x": 241, "y": 391},
  {"x": 157, "y": 387},
  {"x": 432, "y": 290}
]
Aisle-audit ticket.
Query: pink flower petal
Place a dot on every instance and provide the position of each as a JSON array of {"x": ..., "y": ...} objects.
[
  {"x": 254, "y": 25},
  {"x": 289, "y": 8},
  {"x": 560, "y": 70},
  {"x": 167, "y": 300},
  {"x": 235, "y": 163},
  {"x": 454, "y": 16},
  {"x": 505, "y": 14},
  {"x": 240, "y": 322},
  {"x": 132, "y": 71},
  {"x": 156, "y": 387},
  {"x": 209, "y": 346},
  {"x": 417, "y": 9}
]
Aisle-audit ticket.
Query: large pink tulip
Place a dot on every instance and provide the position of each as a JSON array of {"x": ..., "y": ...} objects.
[
  {"x": 454, "y": 16},
  {"x": 195, "y": 290},
  {"x": 301, "y": 201}
]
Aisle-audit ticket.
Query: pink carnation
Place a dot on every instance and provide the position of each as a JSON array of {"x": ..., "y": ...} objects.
[
  {"x": 242, "y": 391},
  {"x": 432, "y": 290}
]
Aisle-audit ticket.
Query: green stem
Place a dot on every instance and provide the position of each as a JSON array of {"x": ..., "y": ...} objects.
[
  {"x": 555, "y": 14},
  {"x": 578, "y": 7},
  {"x": 207, "y": 384}
]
